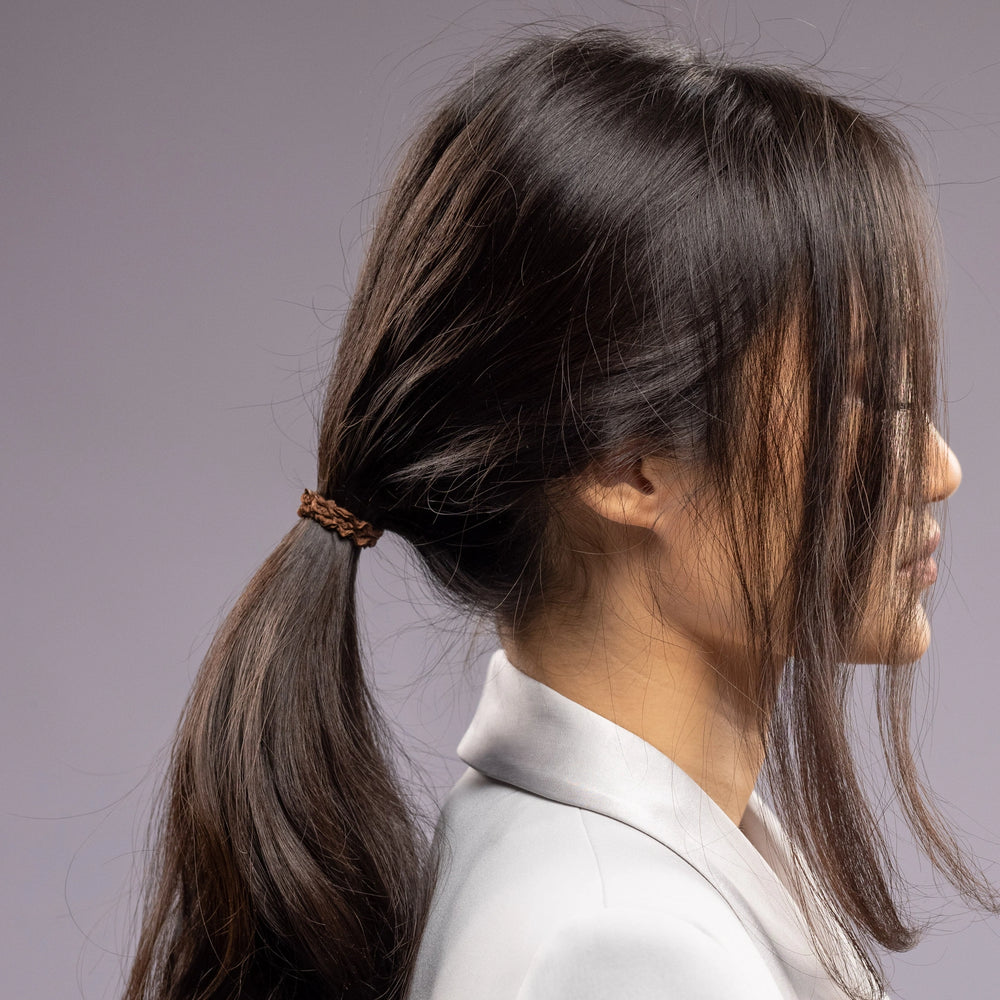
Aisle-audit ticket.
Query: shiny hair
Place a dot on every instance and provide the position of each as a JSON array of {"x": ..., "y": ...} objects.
[{"x": 592, "y": 250}]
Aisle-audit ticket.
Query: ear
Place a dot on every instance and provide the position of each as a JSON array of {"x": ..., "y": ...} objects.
[{"x": 633, "y": 495}]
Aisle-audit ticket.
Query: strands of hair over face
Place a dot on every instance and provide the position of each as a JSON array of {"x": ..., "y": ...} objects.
[{"x": 594, "y": 248}]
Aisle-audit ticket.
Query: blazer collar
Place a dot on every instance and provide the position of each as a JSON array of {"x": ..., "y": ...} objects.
[{"x": 529, "y": 735}]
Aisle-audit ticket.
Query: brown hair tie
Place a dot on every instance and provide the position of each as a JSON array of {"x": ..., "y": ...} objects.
[{"x": 331, "y": 515}]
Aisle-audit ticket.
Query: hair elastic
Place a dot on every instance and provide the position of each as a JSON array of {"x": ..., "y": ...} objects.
[{"x": 332, "y": 515}]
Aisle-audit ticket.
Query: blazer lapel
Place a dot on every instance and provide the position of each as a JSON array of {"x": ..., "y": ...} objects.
[{"x": 529, "y": 735}]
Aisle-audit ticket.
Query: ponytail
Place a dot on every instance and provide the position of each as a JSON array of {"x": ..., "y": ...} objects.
[{"x": 289, "y": 863}]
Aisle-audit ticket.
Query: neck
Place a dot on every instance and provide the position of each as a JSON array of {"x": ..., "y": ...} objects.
[{"x": 665, "y": 691}]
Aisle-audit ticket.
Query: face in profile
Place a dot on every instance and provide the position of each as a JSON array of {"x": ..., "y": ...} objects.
[
  {"x": 905, "y": 574},
  {"x": 701, "y": 599}
]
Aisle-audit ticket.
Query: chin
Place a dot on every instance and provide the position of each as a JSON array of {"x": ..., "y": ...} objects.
[
  {"x": 922, "y": 634},
  {"x": 915, "y": 643}
]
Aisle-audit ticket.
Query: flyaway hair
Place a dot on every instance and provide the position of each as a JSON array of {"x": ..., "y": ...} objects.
[{"x": 594, "y": 248}]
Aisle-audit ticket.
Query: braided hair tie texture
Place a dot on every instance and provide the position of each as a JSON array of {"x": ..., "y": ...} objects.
[{"x": 336, "y": 518}]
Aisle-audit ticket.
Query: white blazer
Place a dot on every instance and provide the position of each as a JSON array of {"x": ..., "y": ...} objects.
[{"x": 581, "y": 863}]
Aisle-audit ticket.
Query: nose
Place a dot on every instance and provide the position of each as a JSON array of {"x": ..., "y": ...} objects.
[{"x": 945, "y": 473}]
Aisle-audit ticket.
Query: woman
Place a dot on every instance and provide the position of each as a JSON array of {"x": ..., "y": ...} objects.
[{"x": 643, "y": 362}]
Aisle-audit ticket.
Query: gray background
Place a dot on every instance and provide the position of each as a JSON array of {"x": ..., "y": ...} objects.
[{"x": 185, "y": 186}]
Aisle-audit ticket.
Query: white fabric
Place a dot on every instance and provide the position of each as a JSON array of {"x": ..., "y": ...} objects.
[{"x": 578, "y": 861}]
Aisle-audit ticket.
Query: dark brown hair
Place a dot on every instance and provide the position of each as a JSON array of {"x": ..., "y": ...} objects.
[{"x": 589, "y": 253}]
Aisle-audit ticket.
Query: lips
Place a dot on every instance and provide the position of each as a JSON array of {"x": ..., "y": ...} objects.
[{"x": 926, "y": 551}]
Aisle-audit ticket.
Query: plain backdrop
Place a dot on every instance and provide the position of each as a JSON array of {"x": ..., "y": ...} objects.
[{"x": 185, "y": 192}]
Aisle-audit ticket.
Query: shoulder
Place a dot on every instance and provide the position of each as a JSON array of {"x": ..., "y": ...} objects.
[
  {"x": 498, "y": 839},
  {"x": 504, "y": 849},
  {"x": 532, "y": 891},
  {"x": 631, "y": 953}
]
